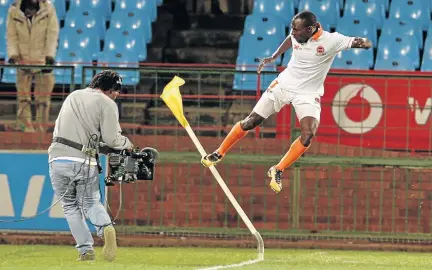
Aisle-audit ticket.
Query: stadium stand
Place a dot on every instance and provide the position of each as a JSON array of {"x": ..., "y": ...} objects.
[
  {"x": 282, "y": 9},
  {"x": 399, "y": 29},
  {"x": 76, "y": 57},
  {"x": 354, "y": 59},
  {"x": 124, "y": 59},
  {"x": 60, "y": 6},
  {"x": 327, "y": 10},
  {"x": 80, "y": 38}
]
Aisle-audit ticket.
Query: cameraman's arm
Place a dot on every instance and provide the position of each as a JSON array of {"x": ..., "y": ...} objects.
[
  {"x": 110, "y": 129},
  {"x": 105, "y": 150}
]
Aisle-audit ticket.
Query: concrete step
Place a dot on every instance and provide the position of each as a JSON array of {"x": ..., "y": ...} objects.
[
  {"x": 201, "y": 55},
  {"x": 215, "y": 39}
]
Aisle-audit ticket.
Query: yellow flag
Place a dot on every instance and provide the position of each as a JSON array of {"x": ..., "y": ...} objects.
[{"x": 173, "y": 99}]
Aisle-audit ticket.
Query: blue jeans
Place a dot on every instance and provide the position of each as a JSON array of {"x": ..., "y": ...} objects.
[{"x": 80, "y": 184}]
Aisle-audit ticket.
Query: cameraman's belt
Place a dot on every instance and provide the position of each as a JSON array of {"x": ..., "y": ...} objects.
[{"x": 75, "y": 145}]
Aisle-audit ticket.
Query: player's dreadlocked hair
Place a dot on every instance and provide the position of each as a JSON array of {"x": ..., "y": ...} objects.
[
  {"x": 308, "y": 18},
  {"x": 107, "y": 80}
]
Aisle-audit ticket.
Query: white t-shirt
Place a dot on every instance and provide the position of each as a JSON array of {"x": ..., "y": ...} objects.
[{"x": 311, "y": 61}]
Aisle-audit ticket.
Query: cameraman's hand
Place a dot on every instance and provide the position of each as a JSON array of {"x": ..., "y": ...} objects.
[{"x": 130, "y": 148}]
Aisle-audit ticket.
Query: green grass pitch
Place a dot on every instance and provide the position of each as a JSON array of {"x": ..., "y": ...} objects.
[{"x": 64, "y": 258}]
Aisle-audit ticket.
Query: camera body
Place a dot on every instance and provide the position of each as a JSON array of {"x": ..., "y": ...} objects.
[{"x": 130, "y": 166}]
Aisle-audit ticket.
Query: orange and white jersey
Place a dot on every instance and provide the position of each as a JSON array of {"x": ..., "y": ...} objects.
[{"x": 311, "y": 61}]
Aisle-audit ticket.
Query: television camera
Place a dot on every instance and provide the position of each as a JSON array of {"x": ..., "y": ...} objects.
[{"x": 129, "y": 166}]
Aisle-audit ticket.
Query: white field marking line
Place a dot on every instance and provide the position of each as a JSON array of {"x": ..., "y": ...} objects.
[{"x": 233, "y": 265}]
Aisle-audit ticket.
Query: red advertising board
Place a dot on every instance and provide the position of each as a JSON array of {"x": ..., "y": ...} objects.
[{"x": 374, "y": 111}]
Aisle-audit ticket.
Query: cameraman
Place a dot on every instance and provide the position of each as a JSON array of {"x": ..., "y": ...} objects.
[{"x": 87, "y": 117}]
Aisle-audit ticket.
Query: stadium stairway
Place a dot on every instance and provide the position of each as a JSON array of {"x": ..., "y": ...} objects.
[{"x": 189, "y": 38}]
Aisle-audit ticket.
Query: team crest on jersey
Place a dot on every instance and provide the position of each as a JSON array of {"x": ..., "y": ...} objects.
[{"x": 320, "y": 50}]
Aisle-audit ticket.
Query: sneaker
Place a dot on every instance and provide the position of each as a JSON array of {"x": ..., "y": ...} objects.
[
  {"x": 276, "y": 179},
  {"x": 211, "y": 159},
  {"x": 110, "y": 244},
  {"x": 87, "y": 256}
]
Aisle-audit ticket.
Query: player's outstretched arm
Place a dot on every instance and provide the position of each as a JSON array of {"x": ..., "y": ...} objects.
[
  {"x": 286, "y": 44},
  {"x": 363, "y": 43}
]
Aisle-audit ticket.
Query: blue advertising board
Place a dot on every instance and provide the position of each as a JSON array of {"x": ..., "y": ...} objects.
[{"x": 25, "y": 190}]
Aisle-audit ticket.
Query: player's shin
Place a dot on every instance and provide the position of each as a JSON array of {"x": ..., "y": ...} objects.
[
  {"x": 235, "y": 135},
  {"x": 295, "y": 151}
]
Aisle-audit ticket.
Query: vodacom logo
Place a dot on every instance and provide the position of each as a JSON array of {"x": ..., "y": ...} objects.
[{"x": 344, "y": 96}]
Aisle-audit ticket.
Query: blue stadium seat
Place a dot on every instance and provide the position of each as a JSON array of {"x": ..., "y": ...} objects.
[
  {"x": 100, "y": 8},
  {"x": 122, "y": 19},
  {"x": 246, "y": 75},
  {"x": 80, "y": 58},
  {"x": 159, "y": 2},
  {"x": 385, "y": 3},
  {"x": 126, "y": 40},
  {"x": 258, "y": 46},
  {"x": 264, "y": 24},
  {"x": 60, "y": 6},
  {"x": 9, "y": 73},
  {"x": 125, "y": 59},
  {"x": 354, "y": 59},
  {"x": 4, "y": 4},
  {"x": 327, "y": 11},
  {"x": 411, "y": 9},
  {"x": 282, "y": 8},
  {"x": 427, "y": 56},
  {"x": 407, "y": 27},
  {"x": 360, "y": 27},
  {"x": 403, "y": 63},
  {"x": 85, "y": 19},
  {"x": 369, "y": 10},
  {"x": 146, "y": 7},
  {"x": 393, "y": 47},
  {"x": 3, "y": 18},
  {"x": 80, "y": 39}
]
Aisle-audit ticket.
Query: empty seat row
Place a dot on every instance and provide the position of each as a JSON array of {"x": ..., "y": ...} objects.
[
  {"x": 128, "y": 30},
  {"x": 67, "y": 58},
  {"x": 328, "y": 11},
  {"x": 140, "y": 19},
  {"x": 102, "y": 8},
  {"x": 116, "y": 39},
  {"x": 354, "y": 59}
]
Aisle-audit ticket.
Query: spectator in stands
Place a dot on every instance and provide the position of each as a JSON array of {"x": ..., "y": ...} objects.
[{"x": 32, "y": 37}]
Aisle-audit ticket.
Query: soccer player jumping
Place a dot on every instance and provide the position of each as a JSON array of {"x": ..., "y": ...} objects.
[{"x": 300, "y": 84}]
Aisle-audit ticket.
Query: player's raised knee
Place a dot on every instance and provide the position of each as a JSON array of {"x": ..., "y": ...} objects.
[{"x": 251, "y": 121}]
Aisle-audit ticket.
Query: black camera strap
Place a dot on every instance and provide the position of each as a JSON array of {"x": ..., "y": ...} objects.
[{"x": 80, "y": 147}]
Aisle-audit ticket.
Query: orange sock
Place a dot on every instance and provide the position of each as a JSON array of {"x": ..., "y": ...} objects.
[
  {"x": 295, "y": 151},
  {"x": 233, "y": 137}
]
